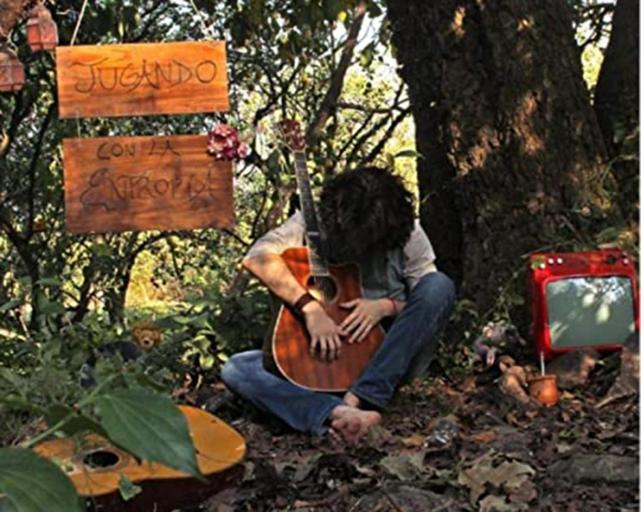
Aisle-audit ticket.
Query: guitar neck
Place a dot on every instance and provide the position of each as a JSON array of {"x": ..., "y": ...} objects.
[{"x": 312, "y": 230}]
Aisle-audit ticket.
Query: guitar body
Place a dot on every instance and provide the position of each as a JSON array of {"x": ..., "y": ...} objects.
[
  {"x": 291, "y": 341},
  {"x": 95, "y": 468}
]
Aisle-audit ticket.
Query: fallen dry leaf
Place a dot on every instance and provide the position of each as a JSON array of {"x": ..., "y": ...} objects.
[
  {"x": 487, "y": 436},
  {"x": 523, "y": 493},
  {"x": 413, "y": 441},
  {"x": 563, "y": 448},
  {"x": 404, "y": 466},
  {"x": 468, "y": 385},
  {"x": 378, "y": 436},
  {"x": 493, "y": 503},
  {"x": 483, "y": 470},
  {"x": 511, "y": 418}
]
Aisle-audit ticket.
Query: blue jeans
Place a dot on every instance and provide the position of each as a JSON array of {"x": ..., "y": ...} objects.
[{"x": 407, "y": 350}]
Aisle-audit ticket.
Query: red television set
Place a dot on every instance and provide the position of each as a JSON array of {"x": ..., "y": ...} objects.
[{"x": 582, "y": 300}]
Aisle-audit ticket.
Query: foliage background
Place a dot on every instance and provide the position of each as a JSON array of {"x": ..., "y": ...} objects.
[{"x": 63, "y": 296}]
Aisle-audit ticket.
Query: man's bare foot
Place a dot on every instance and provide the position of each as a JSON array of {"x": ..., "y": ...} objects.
[
  {"x": 351, "y": 400},
  {"x": 351, "y": 424}
]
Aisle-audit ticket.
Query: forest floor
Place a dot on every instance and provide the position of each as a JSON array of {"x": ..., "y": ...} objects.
[{"x": 447, "y": 446}]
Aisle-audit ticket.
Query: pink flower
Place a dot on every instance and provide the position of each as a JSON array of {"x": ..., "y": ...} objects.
[
  {"x": 224, "y": 130},
  {"x": 243, "y": 150},
  {"x": 224, "y": 144}
]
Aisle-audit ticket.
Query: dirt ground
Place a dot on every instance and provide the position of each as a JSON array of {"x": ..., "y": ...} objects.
[{"x": 447, "y": 446}]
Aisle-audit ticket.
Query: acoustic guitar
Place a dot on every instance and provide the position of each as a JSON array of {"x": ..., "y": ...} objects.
[
  {"x": 332, "y": 285},
  {"x": 95, "y": 468}
]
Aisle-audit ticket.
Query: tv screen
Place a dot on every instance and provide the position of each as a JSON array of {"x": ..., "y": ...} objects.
[{"x": 585, "y": 311}]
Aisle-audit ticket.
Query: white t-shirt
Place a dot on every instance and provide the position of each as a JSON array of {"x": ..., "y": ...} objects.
[{"x": 393, "y": 274}]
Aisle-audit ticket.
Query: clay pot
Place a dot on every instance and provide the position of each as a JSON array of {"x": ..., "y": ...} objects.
[{"x": 543, "y": 389}]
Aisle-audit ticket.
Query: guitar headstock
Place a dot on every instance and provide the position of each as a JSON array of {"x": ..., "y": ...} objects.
[{"x": 292, "y": 134}]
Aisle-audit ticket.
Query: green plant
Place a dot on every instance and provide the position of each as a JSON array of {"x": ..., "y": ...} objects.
[{"x": 122, "y": 406}]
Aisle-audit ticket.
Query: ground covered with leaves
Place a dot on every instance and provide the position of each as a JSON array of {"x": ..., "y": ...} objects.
[{"x": 445, "y": 446}]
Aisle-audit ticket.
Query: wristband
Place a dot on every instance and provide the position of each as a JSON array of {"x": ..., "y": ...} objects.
[
  {"x": 302, "y": 301},
  {"x": 395, "y": 311}
]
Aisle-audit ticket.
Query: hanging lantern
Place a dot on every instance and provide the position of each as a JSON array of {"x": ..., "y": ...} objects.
[
  {"x": 11, "y": 71},
  {"x": 42, "y": 31}
]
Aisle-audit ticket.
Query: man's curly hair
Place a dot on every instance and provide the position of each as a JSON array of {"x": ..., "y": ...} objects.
[{"x": 365, "y": 211}]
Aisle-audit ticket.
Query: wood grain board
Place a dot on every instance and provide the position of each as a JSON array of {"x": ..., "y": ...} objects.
[
  {"x": 115, "y": 184},
  {"x": 142, "y": 79}
]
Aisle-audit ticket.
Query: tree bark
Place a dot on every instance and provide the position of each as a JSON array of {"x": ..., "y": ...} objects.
[
  {"x": 616, "y": 102},
  {"x": 511, "y": 149}
]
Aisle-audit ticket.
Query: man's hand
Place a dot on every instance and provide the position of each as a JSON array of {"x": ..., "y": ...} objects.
[
  {"x": 324, "y": 333},
  {"x": 366, "y": 314}
]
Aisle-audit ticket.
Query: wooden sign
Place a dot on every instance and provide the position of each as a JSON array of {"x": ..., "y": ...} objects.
[
  {"x": 142, "y": 79},
  {"x": 137, "y": 183}
]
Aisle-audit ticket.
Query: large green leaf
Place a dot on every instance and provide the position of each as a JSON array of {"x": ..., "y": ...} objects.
[
  {"x": 31, "y": 483},
  {"x": 150, "y": 426}
]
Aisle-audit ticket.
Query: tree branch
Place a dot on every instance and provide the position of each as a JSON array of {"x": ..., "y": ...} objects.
[
  {"x": 388, "y": 133},
  {"x": 32, "y": 167},
  {"x": 372, "y": 110},
  {"x": 328, "y": 105}
]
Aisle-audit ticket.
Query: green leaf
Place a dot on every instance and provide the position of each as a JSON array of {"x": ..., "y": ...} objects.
[
  {"x": 102, "y": 250},
  {"x": 6, "y": 506},
  {"x": 127, "y": 488},
  {"x": 15, "y": 380},
  {"x": 15, "y": 402},
  {"x": 332, "y": 8},
  {"x": 50, "y": 281},
  {"x": 407, "y": 153},
  {"x": 150, "y": 426},
  {"x": 34, "y": 484},
  {"x": 10, "y": 305},
  {"x": 76, "y": 423},
  {"x": 374, "y": 10},
  {"x": 609, "y": 234},
  {"x": 52, "y": 308}
]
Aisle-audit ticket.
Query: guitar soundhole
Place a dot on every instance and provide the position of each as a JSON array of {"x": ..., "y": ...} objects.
[
  {"x": 101, "y": 459},
  {"x": 322, "y": 288}
]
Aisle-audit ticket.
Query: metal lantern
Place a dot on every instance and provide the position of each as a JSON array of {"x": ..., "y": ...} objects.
[
  {"x": 11, "y": 71},
  {"x": 42, "y": 31}
]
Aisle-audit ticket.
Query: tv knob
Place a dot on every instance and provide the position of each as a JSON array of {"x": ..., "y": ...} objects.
[
  {"x": 559, "y": 261},
  {"x": 551, "y": 261},
  {"x": 626, "y": 261}
]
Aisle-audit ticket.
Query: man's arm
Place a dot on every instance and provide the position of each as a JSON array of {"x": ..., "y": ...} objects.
[{"x": 274, "y": 273}]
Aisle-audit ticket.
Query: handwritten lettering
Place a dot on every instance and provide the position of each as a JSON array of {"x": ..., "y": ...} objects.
[
  {"x": 166, "y": 148},
  {"x": 103, "y": 76},
  {"x": 107, "y": 150},
  {"x": 110, "y": 191},
  {"x": 113, "y": 150}
]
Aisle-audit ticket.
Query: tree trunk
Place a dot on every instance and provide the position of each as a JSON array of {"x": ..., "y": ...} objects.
[
  {"x": 511, "y": 148},
  {"x": 616, "y": 102}
]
